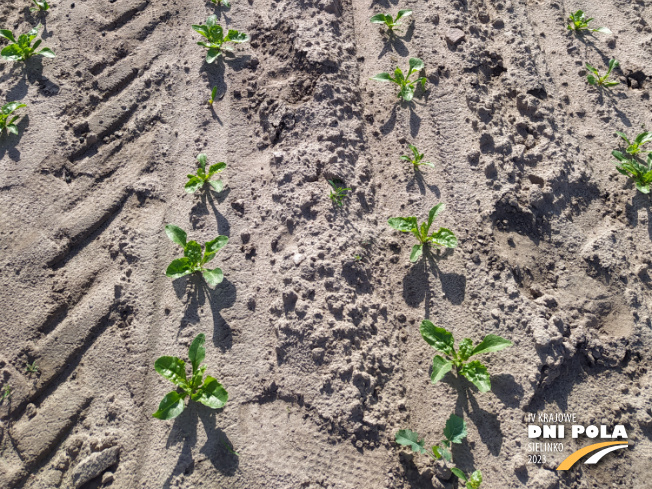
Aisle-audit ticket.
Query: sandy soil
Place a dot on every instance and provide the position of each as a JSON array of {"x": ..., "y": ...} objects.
[{"x": 320, "y": 353}]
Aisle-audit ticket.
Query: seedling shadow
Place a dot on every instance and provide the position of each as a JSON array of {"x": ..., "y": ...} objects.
[
  {"x": 392, "y": 42},
  {"x": 9, "y": 142},
  {"x": 419, "y": 180},
  {"x": 416, "y": 286},
  {"x": 219, "y": 10},
  {"x": 486, "y": 423},
  {"x": 640, "y": 201},
  {"x": 215, "y": 449},
  {"x": 384, "y": 3},
  {"x": 198, "y": 293}
]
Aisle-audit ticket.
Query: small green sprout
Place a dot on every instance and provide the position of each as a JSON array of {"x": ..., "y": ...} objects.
[
  {"x": 22, "y": 49},
  {"x": 337, "y": 196},
  {"x": 635, "y": 146},
  {"x": 213, "y": 93},
  {"x": 32, "y": 368},
  {"x": 641, "y": 173},
  {"x": 194, "y": 259},
  {"x": 195, "y": 182},
  {"x": 594, "y": 77},
  {"x": 416, "y": 160},
  {"x": 41, "y": 6},
  {"x": 223, "y": 3},
  {"x": 389, "y": 21},
  {"x": 476, "y": 372},
  {"x": 472, "y": 482},
  {"x": 442, "y": 237},
  {"x": 216, "y": 38},
  {"x": 207, "y": 391},
  {"x": 579, "y": 23},
  {"x": 5, "y": 112},
  {"x": 406, "y": 85},
  {"x": 6, "y": 393}
]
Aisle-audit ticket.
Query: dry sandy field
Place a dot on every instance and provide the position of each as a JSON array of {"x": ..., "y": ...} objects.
[{"x": 315, "y": 329}]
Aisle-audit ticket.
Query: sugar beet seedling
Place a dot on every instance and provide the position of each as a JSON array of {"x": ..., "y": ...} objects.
[
  {"x": 641, "y": 173},
  {"x": 41, "y": 6},
  {"x": 22, "y": 49},
  {"x": 208, "y": 391},
  {"x": 442, "y": 340},
  {"x": 196, "y": 182},
  {"x": 406, "y": 85},
  {"x": 7, "y": 124},
  {"x": 635, "y": 147},
  {"x": 442, "y": 237},
  {"x": 580, "y": 24},
  {"x": 222, "y": 3},
  {"x": 194, "y": 259},
  {"x": 214, "y": 33},
  {"x": 391, "y": 23},
  {"x": 416, "y": 158},
  {"x": 338, "y": 193},
  {"x": 454, "y": 432},
  {"x": 213, "y": 93},
  {"x": 595, "y": 79}
]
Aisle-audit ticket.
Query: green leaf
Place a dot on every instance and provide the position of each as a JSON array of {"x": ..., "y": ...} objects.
[
  {"x": 477, "y": 374},
  {"x": 491, "y": 343},
  {"x": 475, "y": 480},
  {"x": 212, "y": 54},
  {"x": 624, "y": 136},
  {"x": 591, "y": 68},
  {"x": 643, "y": 138},
  {"x": 455, "y": 430},
  {"x": 436, "y": 452},
  {"x": 611, "y": 83},
  {"x": 211, "y": 21},
  {"x": 217, "y": 185},
  {"x": 212, "y": 394},
  {"x": 403, "y": 224},
  {"x": 12, "y": 129},
  {"x": 173, "y": 369},
  {"x": 465, "y": 348},
  {"x": 170, "y": 407},
  {"x": 602, "y": 30},
  {"x": 216, "y": 245},
  {"x": 434, "y": 212},
  {"x": 382, "y": 77},
  {"x": 444, "y": 237},
  {"x": 176, "y": 234},
  {"x": 202, "y": 29},
  {"x": 197, "y": 352},
  {"x": 458, "y": 473},
  {"x": 12, "y": 53},
  {"x": 201, "y": 159},
  {"x": 438, "y": 338},
  {"x": 409, "y": 438},
  {"x": 406, "y": 93},
  {"x": 378, "y": 19},
  {"x": 11, "y": 107},
  {"x": 216, "y": 168},
  {"x": 446, "y": 453},
  {"x": 192, "y": 251},
  {"x": 235, "y": 36},
  {"x": 194, "y": 184},
  {"x": 417, "y": 250},
  {"x": 7, "y": 34},
  {"x": 179, "y": 268},
  {"x": 213, "y": 277},
  {"x": 440, "y": 367},
  {"x": 416, "y": 64},
  {"x": 402, "y": 13}
]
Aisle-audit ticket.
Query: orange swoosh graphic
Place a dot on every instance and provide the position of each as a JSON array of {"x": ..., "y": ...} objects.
[{"x": 575, "y": 456}]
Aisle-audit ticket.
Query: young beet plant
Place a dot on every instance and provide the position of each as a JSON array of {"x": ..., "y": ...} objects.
[
  {"x": 338, "y": 193},
  {"x": 406, "y": 85},
  {"x": 194, "y": 259},
  {"x": 216, "y": 38},
  {"x": 454, "y": 432},
  {"x": 222, "y": 3},
  {"x": 391, "y": 23},
  {"x": 635, "y": 147},
  {"x": 442, "y": 340},
  {"x": 579, "y": 24},
  {"x": 41, "y": 6},
  {"x": 208, "y": 391},
  {"x": 641, "y": 173},
  {"x": 22, "y": 49},
  {"x": 213, "y": 93},
  {"x": 416, "y": 158},
  {"x": 595, "y": 79},
  {"x": 195, "y": 182},
  {"x": 442, "y": 237},
  {"x": 7, "y": 124}
]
